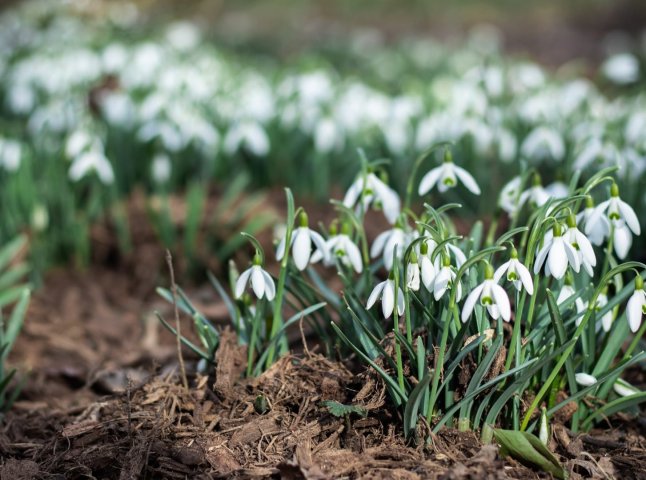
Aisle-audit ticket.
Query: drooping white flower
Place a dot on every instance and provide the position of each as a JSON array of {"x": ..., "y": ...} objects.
[
  {"x": 490, "y": 295},
  {"x": 261, "y": 282},
  {"x": 10, "y": 154},
  {"x": 342, "y": 247},
  {"x": 622, "y": 217},
  {"x": 413, "y": 273},
  {"x": 566, "y": 292},
  {"x": 386, "y": 290},
  {"x": 301, "y": 244},
  {"x": 516, "y": 273},
  {"x": 581, "y": 245},
  {"x": 446, "y": 176},
  {"x": 371, "y": 190},
  {"x": 393, "y": 241},
  {"x": 624, "y": 389},
  {"x": 621, "y": 68},
  {"x": 536, "y": 195},
  {"x": 543, "y": 143},
  {"x": 606, "y": 321},
  {"x": 636, "y": 306},
  {"x": 92, "y": 161},
  {"x": 161, "y": 168},
  {"x": 509, "y": 199},
  {"x": 585, "y": 379},
  {"x": 428, "y": 271},
  {"x": 445, "y": 280},
  {"x": 558, "y": 253},
  {"x": 596, "y": 228}
]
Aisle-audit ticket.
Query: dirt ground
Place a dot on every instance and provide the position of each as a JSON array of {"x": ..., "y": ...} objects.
[{"x": 103, "y": 399}]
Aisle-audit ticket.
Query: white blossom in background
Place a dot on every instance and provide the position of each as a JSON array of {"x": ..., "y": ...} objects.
[
  {"x": 10, "y": 154},
  {"x": 427, "y": 269},
  {"x": 509, "y": 198},
  {"x": 373, "y": 191},
  {"x": 92, "y": 161},
  {"x": 566, "y": 292},
  {"x": 161, "y": 168},
  {"x": 543, "y": 143},
  {"x": 491, "y": 296},
  {"x": 250, "y": 135},
  {"x": 535, "y": 195},
  {"x": 621, "y": 68},
  {"x": 386, "y": 291},
  {"x": 606, "y": 321}
]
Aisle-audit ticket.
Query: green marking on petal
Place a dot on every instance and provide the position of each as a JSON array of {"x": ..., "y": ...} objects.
[{"x": 486, "y": 301}]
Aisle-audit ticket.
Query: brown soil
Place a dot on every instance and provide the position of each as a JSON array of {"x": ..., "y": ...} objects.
[{"x": 103, "y": 400}]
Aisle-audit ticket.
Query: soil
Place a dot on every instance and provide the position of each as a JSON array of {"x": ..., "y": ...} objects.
[{"x": 103, "y": 399}]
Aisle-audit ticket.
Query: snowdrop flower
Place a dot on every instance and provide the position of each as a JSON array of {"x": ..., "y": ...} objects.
[
  {"x": 10, "y": 154},
  {"x": 636, "y": 306},
  {"x": 161, "y": 168},
  {"x": 509, "y": 199},
  {"x": 566, "y": 292},
  {"x": 371, "y": 189},
  {"x": 558, "y": 253},
  {"x": 581, "y": 244},
  {"x": 516, "y": 273},
  {"x": 624, "y": 389},
  {"x": 622, "y": 68},
  {"x": 342, "y": 247},
  {"x": 261, "y": 282},
  {"x": 446, "y": 176},
  {"x": 585, "y": 379},
  {"x": 543, "y": 143},
  {"x": 490, "y": 295},
  {"x": 623, "y": 218},
  {"x": 606, "y": 320},
  {"x": 428, "y": 271},
  {"x": 536, "y": 195},
  {"x": 92, "y": 161},
  {"x": 413, "y": 273},
  {"x": 445, "y": 280},
  {"x": 301, "y": 244},
  {"x": 557, "y": 190},
  {"x": 391, "y": 241},
  {"x": 250, "y": 134},
  {"x": 386, "y": 290},
  {"x": 596, "y": 228}
]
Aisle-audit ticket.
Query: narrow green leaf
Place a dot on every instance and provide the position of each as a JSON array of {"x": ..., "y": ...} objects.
[
  {"x": 411, "y": 410},
  {"x": 527, "y": 448}
]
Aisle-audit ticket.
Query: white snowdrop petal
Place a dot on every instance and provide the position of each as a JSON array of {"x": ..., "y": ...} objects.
[
  {"x": 557, "y": 259},
  {"x": 241, "y": 283},
  {"x": 379, "y": 243},
  {"x": 257, "y": 281},
  {"x": 502, "y": 302},
  {"x": 400, "y": 302},
  {"x": 270, "y": 287},
  {"x": 629, "y": 216},
  {"x": 501, "y": 270},
  {"x": 429, "y": 180},
  {"x": 388, "y": 299},
  {"x": 468, "y": 180},
  {"x": 302, "y": 247},
  {"x": 470, "y": 302},
  {"x": 541, "y": 256},
  {"x": 634, "y": 310},
  {"x": 525, "y": 277},
  {"x": 374, "y": 295},
  {"x": 572, "y": 256},
  {"x": 622, "y": 240},
  {"x": 354, "y": 255}
]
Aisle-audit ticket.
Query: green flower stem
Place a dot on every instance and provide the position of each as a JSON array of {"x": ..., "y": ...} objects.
[
  {"x": 532, "y": 305},
  {"x": 251, "y": 348},
  {"x": 609, "y": 247},
  {"x": 398, "y": 351},
  {"x": 439, "y": 360},
  {"x": 409, "y": 330}
]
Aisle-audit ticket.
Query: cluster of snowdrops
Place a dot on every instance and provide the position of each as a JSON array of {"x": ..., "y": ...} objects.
[{"x": 539, "y": 309}]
